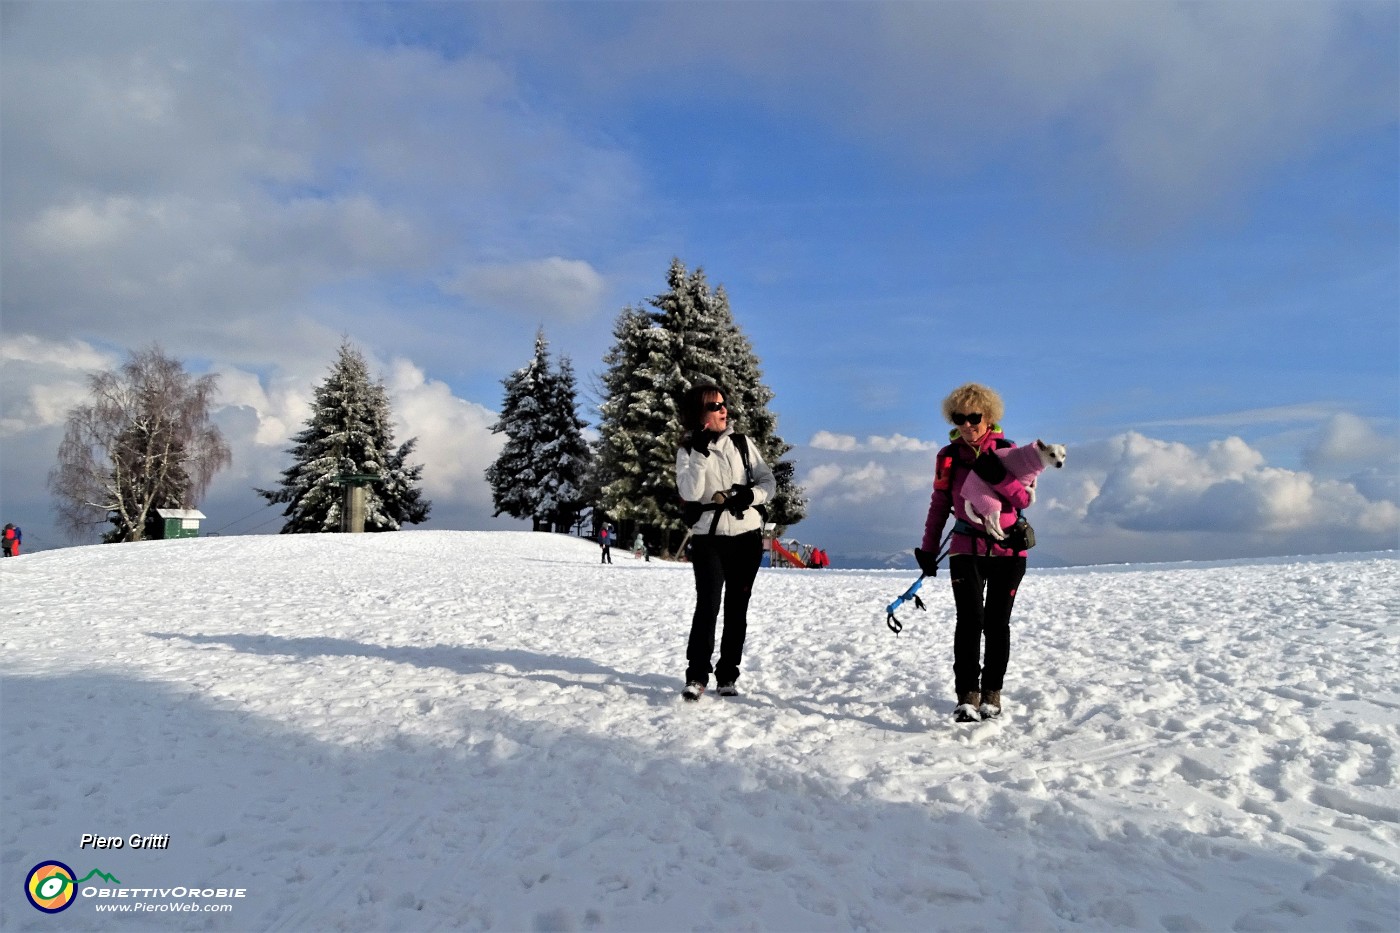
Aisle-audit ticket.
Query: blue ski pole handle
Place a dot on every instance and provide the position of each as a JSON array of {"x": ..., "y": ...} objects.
[
  {"x": 894, "y": 624},
  {"x": 906, "y": 595}
]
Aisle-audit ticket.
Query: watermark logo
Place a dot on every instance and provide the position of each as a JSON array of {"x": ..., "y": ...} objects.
[{"x": 52, "y": 886}]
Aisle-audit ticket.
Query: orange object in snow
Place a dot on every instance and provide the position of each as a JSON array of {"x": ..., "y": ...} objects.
[{"x": 788, "y": 555}]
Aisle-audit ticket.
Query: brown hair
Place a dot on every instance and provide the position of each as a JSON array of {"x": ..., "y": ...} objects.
[{"x": 692, "y": 407}]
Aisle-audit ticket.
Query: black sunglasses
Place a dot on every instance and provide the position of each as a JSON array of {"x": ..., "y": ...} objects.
[
  {"x": 716, "y": 406},
  {"x": 974, "y": 419}
]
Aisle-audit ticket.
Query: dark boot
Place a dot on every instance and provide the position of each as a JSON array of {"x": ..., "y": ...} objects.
[
  {"x": 991, "y": 704},
  {"x": 967, "y": 707}
]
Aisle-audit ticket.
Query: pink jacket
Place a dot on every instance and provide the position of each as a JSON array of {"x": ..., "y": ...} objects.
[{"x": 954, "y": 465}]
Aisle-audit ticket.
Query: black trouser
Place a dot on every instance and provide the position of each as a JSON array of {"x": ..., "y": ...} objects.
[
  {"x": 729, "y": 564},
  {"x": 984, "y": 590},
  {"x": 607, "y": 554}
]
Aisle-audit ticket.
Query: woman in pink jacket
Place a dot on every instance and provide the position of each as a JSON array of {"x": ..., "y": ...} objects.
[{"x": 985, "y": 574}]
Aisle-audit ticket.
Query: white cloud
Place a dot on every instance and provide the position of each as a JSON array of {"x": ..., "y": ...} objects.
[
  {"x": 281, "y": 408},
  {"x": 895, "y": 443},
  {"x": 898, "y": 442},
  {"x": 553, "y": 288},
  {"x": 825, "y": 440},
  {"x": 821, "y": 477},
  {"x": 1130, "y": 496},
  {"x": 1347, "y": 439},
  {"x": 1155, "y": 485},
  {"x": 170, "y": 175},
  {"x": 127, "y": 268},
  {"x": 41, "y": 380},
  {"x": 71, "y": 355},
  {"x": 455, "y": 441},
  {"x": 836, "y": 486}
]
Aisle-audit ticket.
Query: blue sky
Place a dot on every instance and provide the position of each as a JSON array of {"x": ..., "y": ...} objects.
[{"x": 1166, "y": 233}]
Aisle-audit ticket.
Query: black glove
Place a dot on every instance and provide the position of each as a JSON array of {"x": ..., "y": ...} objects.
[
  {"x": 740, "y": 498},
  {"x": 700, "y": 441},
  {"x": 691, "y": 512},
  {"x": 989, "y": 467},
  {"x": 928, "y": 562}
]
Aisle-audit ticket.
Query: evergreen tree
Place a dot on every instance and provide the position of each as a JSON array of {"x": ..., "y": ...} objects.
[
  {"x": 640, "y": 428},
  {"x": 515, "y": 482},
  {"x": 566, "y": 449},
  {"x": 350, "y": 432},
  {"x": 542, "y": 469},
  {"x": 689, "y": 338},
  {"x": 716, "y": 349},
  {"x": 757, "y": 421}
]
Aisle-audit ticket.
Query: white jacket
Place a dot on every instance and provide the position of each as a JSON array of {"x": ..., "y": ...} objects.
[{"x": 700, "y": 476}]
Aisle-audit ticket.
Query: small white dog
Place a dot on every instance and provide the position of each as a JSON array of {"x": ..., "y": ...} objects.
[{"x": 1024, "y": 463}]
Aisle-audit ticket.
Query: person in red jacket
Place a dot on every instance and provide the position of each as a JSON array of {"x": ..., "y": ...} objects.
[
  {"x": 985, "y": 574},
  {"x": 11, "y": 541}
]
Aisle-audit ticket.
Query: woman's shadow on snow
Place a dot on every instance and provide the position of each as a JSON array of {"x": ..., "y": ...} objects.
[
  {"x": 655, "y": 689},
  {"x": 525, "y": 665}
]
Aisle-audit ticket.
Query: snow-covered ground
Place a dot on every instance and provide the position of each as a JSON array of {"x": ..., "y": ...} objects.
[{"x": 441, "y": 730}]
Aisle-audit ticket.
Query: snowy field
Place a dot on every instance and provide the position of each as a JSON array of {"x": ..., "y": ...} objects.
[{"x": 482, "y": 731}]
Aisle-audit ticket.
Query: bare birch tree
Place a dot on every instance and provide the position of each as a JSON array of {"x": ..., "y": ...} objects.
[{"x": 143, "y": 442}]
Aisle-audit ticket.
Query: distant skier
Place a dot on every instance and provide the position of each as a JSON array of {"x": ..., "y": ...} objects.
[
  {"x": 985, "y": 572},
  {"x": 12, "y": 540},
  {"x": 605, "y": 540}
]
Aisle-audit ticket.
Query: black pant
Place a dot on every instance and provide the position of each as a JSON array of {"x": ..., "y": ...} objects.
[
  {"x": 729, "y": 564},
  {"x": 984, "y": 590},
  {"x": 607, "y": 554}
]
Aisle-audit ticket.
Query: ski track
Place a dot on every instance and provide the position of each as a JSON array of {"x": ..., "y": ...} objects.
[{"x": 456, "y": 730}]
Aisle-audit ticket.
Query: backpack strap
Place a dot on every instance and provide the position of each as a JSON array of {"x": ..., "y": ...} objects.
[{"x": 741, "y": 443}]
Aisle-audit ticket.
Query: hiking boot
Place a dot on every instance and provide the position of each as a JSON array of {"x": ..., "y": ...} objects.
[
  {"x": 693, "y": 690},
  {"x": 967, "y": 707},
  {"x": 728, "y": 690},
  {"x": 991, "y": 704}
]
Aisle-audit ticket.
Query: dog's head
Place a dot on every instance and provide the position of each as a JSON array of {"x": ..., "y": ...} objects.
[{"x": 1051, "y": 454}]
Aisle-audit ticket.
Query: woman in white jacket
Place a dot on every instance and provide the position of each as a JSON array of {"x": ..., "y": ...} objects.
[{"x": 721, "y": 495}]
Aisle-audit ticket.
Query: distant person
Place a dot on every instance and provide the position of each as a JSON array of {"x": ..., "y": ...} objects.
[
  {"x": 639, "y": 548},
  {"x": 985, "y": 573},
  {"x": 12, "y": 540},
  {"x": 722, "y": 478},
  {"x": 605, "y": 540}
]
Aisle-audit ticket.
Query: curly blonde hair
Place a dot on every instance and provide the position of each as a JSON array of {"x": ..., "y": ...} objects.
[{"x": 972, "y": 397}]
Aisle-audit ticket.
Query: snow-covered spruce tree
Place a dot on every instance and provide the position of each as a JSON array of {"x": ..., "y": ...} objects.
[
  {"x": 689, "y": 338},
  {"x": 350, "y": 432},
  {"x": 639, "y": 431},
  {"x": 541, "y": 470},
  {"x": 709, "y": 345},
  {"x": 515, "y": 475},
  {"x": 564, "y": 486}
]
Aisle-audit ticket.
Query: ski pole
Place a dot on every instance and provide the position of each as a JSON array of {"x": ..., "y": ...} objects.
[{"x": 894, "y": 624}]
